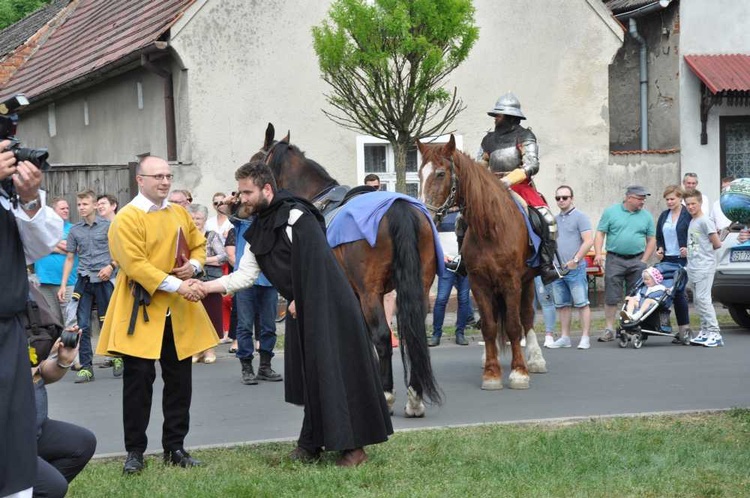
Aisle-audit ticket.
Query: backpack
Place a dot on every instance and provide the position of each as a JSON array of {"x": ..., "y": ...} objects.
[{"x": 41, "y": 325}]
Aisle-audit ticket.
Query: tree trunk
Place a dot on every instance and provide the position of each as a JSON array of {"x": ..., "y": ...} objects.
[{"x": 399, "y": 151}]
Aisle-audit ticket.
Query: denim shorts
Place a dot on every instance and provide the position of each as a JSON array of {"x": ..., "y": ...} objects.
[{"x": 572, "y": 289}]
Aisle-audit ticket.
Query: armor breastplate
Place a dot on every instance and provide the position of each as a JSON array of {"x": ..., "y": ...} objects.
[
  {"x": 505, "y": 159},
  {"x": 507, "y": 147}
]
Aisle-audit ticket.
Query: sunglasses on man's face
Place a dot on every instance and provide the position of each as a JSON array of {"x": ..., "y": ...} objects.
[{"x": 559, "y": 198}]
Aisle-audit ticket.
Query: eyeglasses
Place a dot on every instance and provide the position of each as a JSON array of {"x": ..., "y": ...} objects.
[
  {"x": 562, "y": 197},
  {"x": 159, "y": 178},
  {"x": 217, "y": 203}
]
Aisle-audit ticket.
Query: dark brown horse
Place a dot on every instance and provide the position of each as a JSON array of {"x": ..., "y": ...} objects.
[
  {"x": 408, "y": 266},
  {"x": 495, "y": 250}
]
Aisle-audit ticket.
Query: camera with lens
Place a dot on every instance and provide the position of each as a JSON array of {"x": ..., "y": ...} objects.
[
  {"x": 69, "y": 339},
  {"x": 8, "y": 124}
]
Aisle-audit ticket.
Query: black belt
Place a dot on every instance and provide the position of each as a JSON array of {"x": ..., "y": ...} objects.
[{"x": 625, "y": 256}]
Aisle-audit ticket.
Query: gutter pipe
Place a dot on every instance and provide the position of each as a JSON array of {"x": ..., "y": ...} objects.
[
  {"x": 643, "y": 56},
  {"x": 169, "y": 112},
  {"x": 631, "y": 16}
]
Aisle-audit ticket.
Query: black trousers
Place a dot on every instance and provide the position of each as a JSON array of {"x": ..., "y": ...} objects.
[
  {"x": 64, "y": 450},
  {"x": 137, "y": 392},
  {"x": 17, "y": 410}
]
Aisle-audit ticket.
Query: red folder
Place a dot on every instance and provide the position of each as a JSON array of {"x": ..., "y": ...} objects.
[{"x": 182, "y": 252}]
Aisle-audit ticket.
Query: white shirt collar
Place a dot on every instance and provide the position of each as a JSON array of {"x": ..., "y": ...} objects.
[{"x": 141, "y": 202}]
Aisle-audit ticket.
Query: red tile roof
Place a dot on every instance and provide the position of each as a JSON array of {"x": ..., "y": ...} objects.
[
  {"x": 96, "y": 34},
  {"x": 722, "y": 73}
]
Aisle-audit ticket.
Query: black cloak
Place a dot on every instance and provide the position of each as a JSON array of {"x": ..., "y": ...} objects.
[{"x": 330, "y": 364}]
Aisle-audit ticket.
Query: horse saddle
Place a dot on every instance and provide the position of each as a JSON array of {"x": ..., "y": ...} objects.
[{"x": 331, "y": 203}]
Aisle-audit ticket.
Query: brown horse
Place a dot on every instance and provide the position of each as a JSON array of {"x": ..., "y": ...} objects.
[
  {"x": 495, "y": 251},
  {"x": 408, "y": 266}
]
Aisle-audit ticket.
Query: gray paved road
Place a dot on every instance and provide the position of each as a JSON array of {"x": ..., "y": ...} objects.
[{"x": 601, "y": 381}]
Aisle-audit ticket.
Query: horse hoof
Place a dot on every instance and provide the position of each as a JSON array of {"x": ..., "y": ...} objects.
[
  {"x": 414, "y": 412},
  {"x": 390, "y": 400},
  {"x": 518, "y": 380},
  {"x": 537, "y": 368},
  {"x": 492, "y": 384}
]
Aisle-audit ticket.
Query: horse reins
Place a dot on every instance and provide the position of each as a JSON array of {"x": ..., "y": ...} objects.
[{"x": 450, "y": 201}]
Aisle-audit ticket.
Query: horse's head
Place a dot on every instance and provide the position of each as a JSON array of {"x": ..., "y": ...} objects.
[
  {"x": 438, "y": 177},
  {"x": 294, "y": 172}
]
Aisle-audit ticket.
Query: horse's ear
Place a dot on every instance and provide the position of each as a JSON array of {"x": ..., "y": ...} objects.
[
  {"x": 270, "y": 133},
  {"x": 286, "y": 138},
  {"x": 451, "y": 145},
  {"x": 421, "y": 147}
]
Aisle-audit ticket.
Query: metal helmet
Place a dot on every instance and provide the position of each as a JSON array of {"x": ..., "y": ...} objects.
[{"x": 509, "y": 105}]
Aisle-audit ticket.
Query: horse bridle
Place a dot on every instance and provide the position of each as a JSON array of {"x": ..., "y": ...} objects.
[{"x": 450, "y": 201}]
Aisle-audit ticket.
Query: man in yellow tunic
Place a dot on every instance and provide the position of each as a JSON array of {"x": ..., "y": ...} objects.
[{"x": 143, "y": 240}]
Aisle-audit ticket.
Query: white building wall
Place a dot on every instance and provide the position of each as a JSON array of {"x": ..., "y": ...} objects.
[
  {"x": 251, "y": 62},
  {"x": 707, "y": 27}
]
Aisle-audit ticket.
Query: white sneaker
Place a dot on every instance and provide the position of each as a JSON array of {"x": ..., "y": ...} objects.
[
  {"x": 714, "y": 340},
  {"x": 548, "y": 340},
  {"x": 700, "y": 339},
  {"x": 584, "y": 343},
  {"x": 562, "y": 342}
]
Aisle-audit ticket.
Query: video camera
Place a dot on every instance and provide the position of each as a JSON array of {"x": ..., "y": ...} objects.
[{"x": 8, "y": 123}]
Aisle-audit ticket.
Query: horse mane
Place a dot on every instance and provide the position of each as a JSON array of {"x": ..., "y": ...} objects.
[
  {"x": 281, "y": 155},
  {"x": 497, "y": 207}
]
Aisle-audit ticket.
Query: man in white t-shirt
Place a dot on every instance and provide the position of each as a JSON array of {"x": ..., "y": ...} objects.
[{"x": 717, "y": 215}]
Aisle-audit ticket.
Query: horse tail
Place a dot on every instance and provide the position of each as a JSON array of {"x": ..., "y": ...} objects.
[{"x": 411, "y": 302}]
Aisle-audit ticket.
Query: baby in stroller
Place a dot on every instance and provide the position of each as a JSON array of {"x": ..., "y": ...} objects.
[
  {"x": 648, "y": 307},
  {"x": 646, "y": 297}
]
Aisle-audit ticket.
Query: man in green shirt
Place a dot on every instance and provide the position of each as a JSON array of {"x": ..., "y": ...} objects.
[{"x": 630, "y": 233}]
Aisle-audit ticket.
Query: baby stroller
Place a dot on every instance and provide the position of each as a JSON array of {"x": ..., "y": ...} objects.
[{"x": 655, "y": 320}]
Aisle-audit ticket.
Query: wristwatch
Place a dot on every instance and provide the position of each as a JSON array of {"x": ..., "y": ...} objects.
[
  {"x": 575, "y": 259},
  {"x": 31, "y": 205}
]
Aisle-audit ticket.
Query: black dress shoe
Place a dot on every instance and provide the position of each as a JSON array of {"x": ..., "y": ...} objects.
[
  {"x": 133, "y": 463},
  {"x": 180, "y": 457}
]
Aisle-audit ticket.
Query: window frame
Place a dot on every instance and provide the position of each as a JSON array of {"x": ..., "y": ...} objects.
[{"x": 388, "y": 178}]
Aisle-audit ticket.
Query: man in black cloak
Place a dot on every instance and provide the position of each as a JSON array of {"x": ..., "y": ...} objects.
[{"x": 330, "y": 364}]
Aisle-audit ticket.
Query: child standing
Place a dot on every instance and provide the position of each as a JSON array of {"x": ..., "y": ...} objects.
[{"x": 701, "y": 266}]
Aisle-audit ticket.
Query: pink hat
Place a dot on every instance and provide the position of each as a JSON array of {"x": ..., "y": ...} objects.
[{"x": 655, "y": 274}]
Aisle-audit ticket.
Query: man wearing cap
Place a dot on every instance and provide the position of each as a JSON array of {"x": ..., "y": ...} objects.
[
  {"x": 513, "y": 155},
  {"x": 631, "y": 239}
]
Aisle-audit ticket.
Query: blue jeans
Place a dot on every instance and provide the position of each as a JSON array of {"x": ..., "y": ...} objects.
[
  {"x": 445, "y": 286},
  {"x": 91, "y": 292},
  {"x": 543, "y": 297},
  {"x": 572, "y": 289},
  {"x": 261, "y": 301}
]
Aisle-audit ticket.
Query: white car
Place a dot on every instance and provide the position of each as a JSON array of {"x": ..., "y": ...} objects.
[{"x": 732, "y": 281}]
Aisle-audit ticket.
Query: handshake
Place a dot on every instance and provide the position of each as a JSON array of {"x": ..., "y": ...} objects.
[{"x": 193, "y": 290}]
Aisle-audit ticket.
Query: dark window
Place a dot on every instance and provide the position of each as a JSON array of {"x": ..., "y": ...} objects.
[
  {"x": 735, "y": 146},
  {"x": 375, "y": 159},
  {"x": 411, "y": 161},
  {"x": 412, "y": 189}
]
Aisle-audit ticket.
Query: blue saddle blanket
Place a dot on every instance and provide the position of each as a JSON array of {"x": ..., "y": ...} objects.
[
  {"x": 536, "y": 241},
  {"x": 360, "y": 218}
]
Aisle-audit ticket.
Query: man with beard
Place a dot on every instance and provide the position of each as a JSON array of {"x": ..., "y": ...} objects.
[{"x": 330, "y": 366}]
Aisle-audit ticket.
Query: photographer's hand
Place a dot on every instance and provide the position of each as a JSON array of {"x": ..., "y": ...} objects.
[
  {"x": 28, "y": 179},
  {"x": 7, "y": 161}
]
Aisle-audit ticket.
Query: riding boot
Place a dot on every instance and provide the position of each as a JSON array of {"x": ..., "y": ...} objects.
[
  {"x": 265, "y": 372},
  {"x": 248, "y": 375}
]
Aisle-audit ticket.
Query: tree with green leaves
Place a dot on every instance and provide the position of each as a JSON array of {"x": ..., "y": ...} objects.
[
  {"x": 386, "y": 62},
  {"x": 12, "y": 11}
]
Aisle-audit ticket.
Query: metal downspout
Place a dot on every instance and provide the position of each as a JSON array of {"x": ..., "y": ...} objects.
[
  {"x": 643, "y": 56},
  {"x": 169, "y": 112}
]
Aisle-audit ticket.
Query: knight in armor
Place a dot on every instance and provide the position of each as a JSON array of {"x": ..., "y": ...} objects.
[{"x": 512, "y": 153}]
